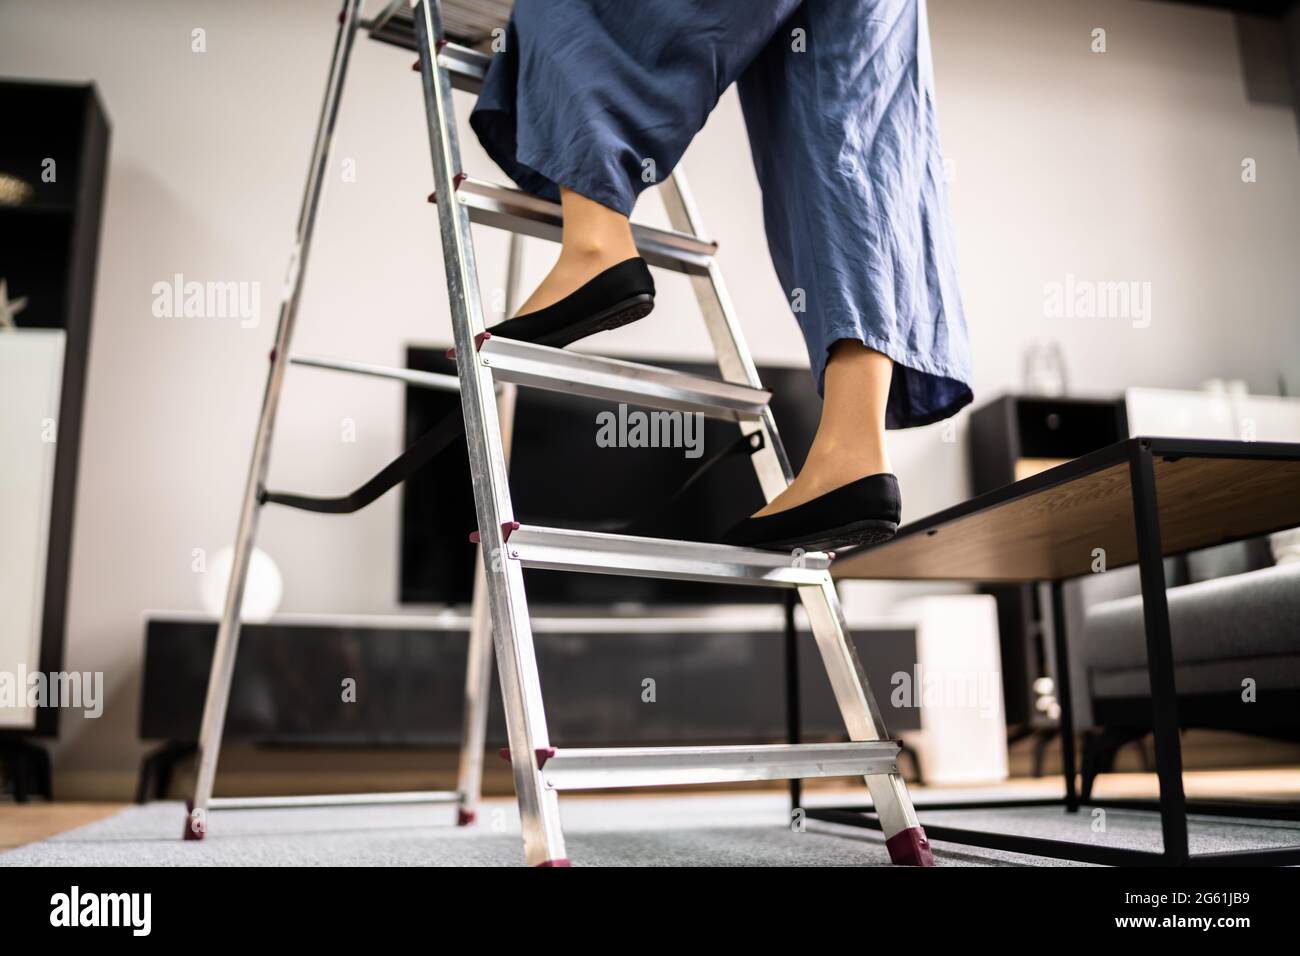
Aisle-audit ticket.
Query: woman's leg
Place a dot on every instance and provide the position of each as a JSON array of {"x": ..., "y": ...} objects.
[
  {"x": 845, "y": 141},
  {"x": 850, "y": 440},
  {"x": 595, "y": 237},
  {"x": 591, "y": 102}
]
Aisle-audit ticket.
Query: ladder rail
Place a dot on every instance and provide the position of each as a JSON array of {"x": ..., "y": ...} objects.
[
  {"x": 604, "y": 768},
  {"x": 223, "y": 659},
  {"x": 399, "y": 797},
  {"x": 592, "y": 376},
  {"x": 511, "y": 630},
  {"x": 856, "y": 702},
  {"x": 861, "y": 715},
  {"x": 771, "y": 464},
  {"x": 526, "y": 215},
  {"x": 594, "y": 552},
  {"x": 478, "y": 665},
  {"x": 431, "y": 380},
  {"x": 478, "y": 669}
]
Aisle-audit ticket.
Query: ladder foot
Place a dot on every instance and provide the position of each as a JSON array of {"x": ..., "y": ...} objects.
[
  {"x": 910, "y": 848},
  {"x": 563, "y": 861},
  {"x": 191, "y": 831},
  {"x": 465, "y": 817}
]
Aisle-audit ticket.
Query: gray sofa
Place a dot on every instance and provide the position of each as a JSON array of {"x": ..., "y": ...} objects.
[{"x": 1234, "y": 621}]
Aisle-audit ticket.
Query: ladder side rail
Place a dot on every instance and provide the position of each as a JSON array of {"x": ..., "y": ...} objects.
[
  {"x": 734, "y": 360},
  {"x": 512, "y": 632},
  {"x": 478, "y": 662},
  {"x": 223, "y": 658},
  {"x": 857, "y": 704},
  {"x": 478, "y": 668}
]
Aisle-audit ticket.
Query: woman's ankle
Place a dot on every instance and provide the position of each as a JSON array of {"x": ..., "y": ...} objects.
[
  {"x": 848, "y": 460},
  {"x": 592, "y": 230},
  {"x": 579, "y": 262},
  {"x": 824, "y": 471},
  {"x": 594, "y": 252}
]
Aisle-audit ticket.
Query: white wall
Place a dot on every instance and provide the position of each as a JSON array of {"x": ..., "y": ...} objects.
[{"x": 1115, "y": 166}]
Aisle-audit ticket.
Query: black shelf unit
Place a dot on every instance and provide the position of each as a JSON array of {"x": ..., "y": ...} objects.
[
  {"x": 49, "y": 244},
  {"x": 1008, "y": 431}
]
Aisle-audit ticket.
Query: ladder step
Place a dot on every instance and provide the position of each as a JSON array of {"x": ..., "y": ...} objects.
[
  {"x": 607, "y": 767},
  {"x": 467, "y": 67},
  {"x": 333, "y": 800},
  {"x": 511, "y": 209},
  {"x": 432, "y": 380},
  {"x": 558, "y": 370},
  {"x": 592, "y": 552}
]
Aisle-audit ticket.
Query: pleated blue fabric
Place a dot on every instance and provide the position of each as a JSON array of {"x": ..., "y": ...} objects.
[{"x": 604, "y": 96}]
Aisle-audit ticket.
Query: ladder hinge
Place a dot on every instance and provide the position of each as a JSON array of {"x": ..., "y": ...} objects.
[
  {"x": 455, "y": 184},
  {"x": 543, "y": 754},
  {"x": 506, "y": 528},
  {"x": 478, "y": 344}
]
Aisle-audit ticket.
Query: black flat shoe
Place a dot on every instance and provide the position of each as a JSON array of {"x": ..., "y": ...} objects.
[
  {"x": 865, "y": 511},
  {"x": 621, "y": 294}
]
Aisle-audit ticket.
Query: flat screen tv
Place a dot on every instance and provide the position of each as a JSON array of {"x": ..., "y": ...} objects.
[{"x": 561, "y": 475}]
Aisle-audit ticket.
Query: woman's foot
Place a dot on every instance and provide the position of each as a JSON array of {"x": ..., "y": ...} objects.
[
  {"x": 595, "y": 238},
  {"x": 865, "y": 511},
  {"x": 572, "y": 271},
  {"x": 620, "y": 294},
  {"x": 850, "y": 440},
  {"x": 845, "y": 494},
  {"x": 826, "y": 469},
  {"x": 599, "y": 281}
]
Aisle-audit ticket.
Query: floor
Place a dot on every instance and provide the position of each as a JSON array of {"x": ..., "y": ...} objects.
[
  {"x": 735, "y": 829},
  {"x": 721, "y": 829},
  {"x": 30, "y": 822}
]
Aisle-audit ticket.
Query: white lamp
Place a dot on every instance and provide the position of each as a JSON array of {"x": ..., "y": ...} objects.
[{"x": 262, "y": 590}]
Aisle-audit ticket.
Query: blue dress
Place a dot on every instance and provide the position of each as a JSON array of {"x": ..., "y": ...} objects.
[{"x": 604, "y": 96}]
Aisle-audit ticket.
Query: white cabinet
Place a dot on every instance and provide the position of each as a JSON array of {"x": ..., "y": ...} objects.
[{"x": 31, "y": 377}]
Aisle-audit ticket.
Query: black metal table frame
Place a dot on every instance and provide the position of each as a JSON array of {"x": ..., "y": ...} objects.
[{"x": 1172, "y": 804}]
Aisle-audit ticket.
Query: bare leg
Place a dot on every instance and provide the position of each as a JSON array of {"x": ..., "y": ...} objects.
[
  {"x": 595, "y": 238},
  {"x": 850, "y": 440}
]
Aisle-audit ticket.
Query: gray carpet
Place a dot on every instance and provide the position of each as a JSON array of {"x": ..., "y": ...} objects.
[
  {"x": 694, "y": 830},
  {"x": 1135, "y": 830}
]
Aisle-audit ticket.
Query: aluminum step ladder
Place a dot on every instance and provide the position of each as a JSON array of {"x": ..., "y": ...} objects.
[{"x": 488, "y": 369}]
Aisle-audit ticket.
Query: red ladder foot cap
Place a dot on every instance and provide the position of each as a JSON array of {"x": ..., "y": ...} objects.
[{"x": 910, "y": 848}]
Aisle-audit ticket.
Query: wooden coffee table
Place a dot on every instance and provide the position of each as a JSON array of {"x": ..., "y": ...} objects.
[{"x": 1138, "y": 501}]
